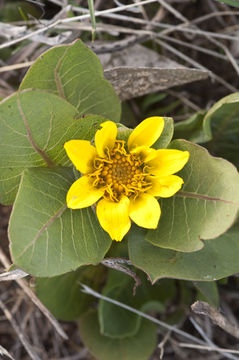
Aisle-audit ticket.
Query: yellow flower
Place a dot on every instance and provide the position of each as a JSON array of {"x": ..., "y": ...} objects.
[{"x": 126, "y": 178}]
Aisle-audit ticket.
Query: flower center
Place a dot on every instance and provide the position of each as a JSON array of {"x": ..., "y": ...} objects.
[{"x": 121, "y": 173}]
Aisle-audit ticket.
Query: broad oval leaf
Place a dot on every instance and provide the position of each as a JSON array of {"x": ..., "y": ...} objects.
[
  {"x": 218, "y": 258},
  {"x": 75, "y": 73},
  {"x": 192, "y": 129},
  {"x": 208, "y": 291},
  {"x": 120, "y": 323},
  {"x": 63, "y": 295},
  {"x": 46, "y": 238},
  {"x": 115, "y": 321},
  {"x": 34, "y": 125},
  {"x": 137, "y": 347},
  {"x": 222, "y": 121},
  {"x": 205, "y": 208}
]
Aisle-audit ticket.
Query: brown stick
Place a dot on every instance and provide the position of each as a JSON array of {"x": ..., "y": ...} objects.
[{"x": 203, "y": 308}]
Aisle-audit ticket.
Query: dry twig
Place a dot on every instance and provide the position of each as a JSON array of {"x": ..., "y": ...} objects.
[
  {"x": 35, "y": 299},
  {"x": 162, "y": 344},
  {"x": 116, "y": 264},
  {"x": 209, "y": 342},
  {"x": 19, "y": 331},
  {"x": 4, "y": 352},
  {"x": 203, "y": 308}
]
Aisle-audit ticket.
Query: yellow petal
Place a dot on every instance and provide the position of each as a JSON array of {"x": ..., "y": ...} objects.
[
  {"x": 165, "y": 186},
  {"x": 105, "y": 138},
  {"x": 82, "y": 154},
  {"x": 82, "y": 194},
  {"x": 145, "y": 211},
  {"x": 114, "y": 217},
  {"x": 165, "y": 162},
  {"x": 146, "y": 133}
]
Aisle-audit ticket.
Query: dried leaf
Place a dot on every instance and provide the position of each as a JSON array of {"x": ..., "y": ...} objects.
[{"x": 137, "y": 71}]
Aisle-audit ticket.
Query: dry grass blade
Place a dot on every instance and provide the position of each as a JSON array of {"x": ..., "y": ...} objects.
[
  {"x": 35, "y": 299},
  {"x": 177, "y": 14},
  {"x": 88, "y": 290},
  {"x": 181, "y": 27},
  {"x": 209, "y": 342},
  {"x": 16, "y": 66},
  {"x": 13, "y": 275},
  {"x": 162, "y": 344},
  {"x": 184, "y": 100},
  {"x": 19, "y": 331},
  {"x": 214, "y": 14},
  {"x": 9, "y": 31},
  {"x": 197, "y": 65},
  {"x": 4, "y": 352},
  {"x": 71, "y": 19},
  {"x": 194, "y": 47},
  {"x": 173, "y": 329},
  {"x": 207, "y": 348},
  {"x": 82, "y": 354}
]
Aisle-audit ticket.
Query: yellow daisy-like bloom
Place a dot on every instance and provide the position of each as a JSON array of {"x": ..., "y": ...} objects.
[{"x": 126, "y": 178}]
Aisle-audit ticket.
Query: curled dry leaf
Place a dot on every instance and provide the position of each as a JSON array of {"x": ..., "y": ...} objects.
[{"x": 137, "y": 71}]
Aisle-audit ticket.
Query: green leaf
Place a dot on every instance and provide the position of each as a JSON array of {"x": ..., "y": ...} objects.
[
  {"x": 230, "y": 2},
  {"x": 166, "y": 135},
  {"x": 205, "y": 208},
  {"x": 47, "y": 239},
  {"x": 127, "y": 115},
  {"x": 34, "y": 125},
  {"x": 75, "y": 73},
  {"x": 115, "y": 321},
  {"x": 192, "y": 129},
  {"x": 222, "y": 121},
  {"x": 208, "y": 291},
  {"x": 218, "y": 258},
  {"x": 120, "y": 323},
  {"x": 123, "y": 132},
  {"x": 62, "y": 294},
  {"x": 152, "y": 99},
  {"x": 154, "y": 306},
  {"x": 138, "y": 347},
  {"x": 170, "y": 108}
]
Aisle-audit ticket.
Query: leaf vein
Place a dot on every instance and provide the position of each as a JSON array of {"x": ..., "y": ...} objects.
[{"x": 41, "y": 231}]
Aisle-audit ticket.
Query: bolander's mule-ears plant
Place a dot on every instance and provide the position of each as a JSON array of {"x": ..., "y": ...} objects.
[
  {"x": 128, "y": 178},
  {"x": 77, "y": 179}
]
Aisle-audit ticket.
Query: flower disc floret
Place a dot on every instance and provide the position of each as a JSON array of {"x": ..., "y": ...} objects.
[
  {"x": 126, "y": 177},
  {"x": 121, "y": 173}
]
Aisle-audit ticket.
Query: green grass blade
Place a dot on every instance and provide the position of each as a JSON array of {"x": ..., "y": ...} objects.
[{"x": 92, "y": 15}]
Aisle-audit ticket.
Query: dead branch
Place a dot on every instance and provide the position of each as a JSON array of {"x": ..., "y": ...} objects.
[{"x": 203, "y": 308}]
